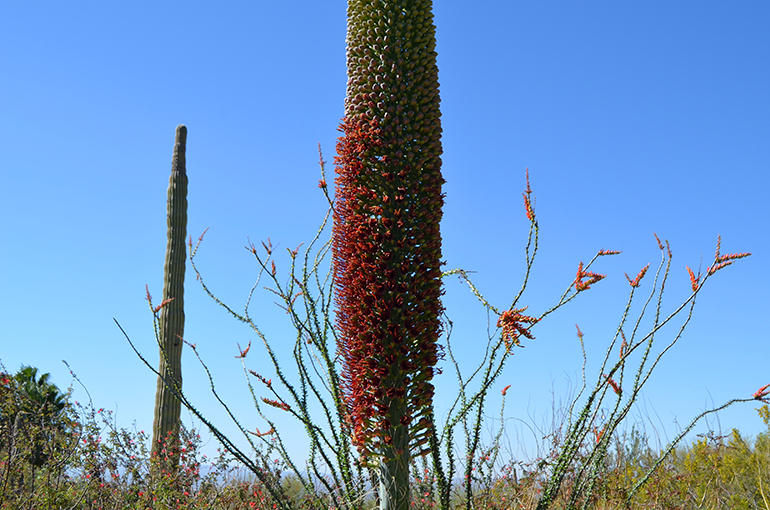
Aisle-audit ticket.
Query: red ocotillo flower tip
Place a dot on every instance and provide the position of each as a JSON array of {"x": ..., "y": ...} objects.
[
  {"x": 637, "y": 281},
  {"x": 660, "y": 245},
  {"x": 694, "y": 280},
  {"x": 614, "y": 385},
  {"x": 721, "y": 261},
  {"x": 528, "y": 207},
  {"x": 762, "y": 392},
  {"x": 511, "y": 321},
  {"x": 505, "y": 390},
  {"x": 261, "y": 434},
  {"x": 726, "y": 260},
  {"x": 266, "y": 382},
  {"x": 603, "y": 252},
  {"x": 243, "y": 352},
  {"x": 733, "y": 256},
  {"x": 279, "y": 405},
  {"x": 623, "y": 345},
  {"x": 268, "y": 247},
  {"x": 321, "y": 161},
  {"x": 148, "y": 297},
  {"x": 581, "y": 285},
  {"x": 599, "y": 434},
  {"x": 164, "y": 303},
  {"x": 295, "y": 251},
  {"x": 528, "y": 200},
  {"x": 322, "y": 183},
  {"x": 579, "y": 333}
]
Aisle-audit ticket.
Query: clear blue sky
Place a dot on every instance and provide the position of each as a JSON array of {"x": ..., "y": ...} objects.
[{"x": 632, "y": 118}]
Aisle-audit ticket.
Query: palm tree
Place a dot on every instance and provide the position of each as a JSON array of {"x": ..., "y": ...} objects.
[
  {"x": 34, "y": 424},
  {"x": 40, "y": 413}
]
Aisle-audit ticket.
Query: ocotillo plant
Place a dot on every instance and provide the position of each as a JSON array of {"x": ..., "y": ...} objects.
[
  {"x": 167, "y": 405},
  {"x": 386, "y": 238}
]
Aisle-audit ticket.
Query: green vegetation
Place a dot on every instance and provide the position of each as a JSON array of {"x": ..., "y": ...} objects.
[{"x": 61, "y": 454}]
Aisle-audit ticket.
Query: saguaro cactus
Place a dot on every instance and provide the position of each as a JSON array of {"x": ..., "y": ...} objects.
[
  {"x": 167, "y": 406},
  {"x": 386, "y": 238}
]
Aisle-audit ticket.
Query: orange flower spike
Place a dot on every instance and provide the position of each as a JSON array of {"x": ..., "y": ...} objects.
[
  {"x": 592, "y": 278},
  {"x": 614, "y": 385},
  {"x": 762, "y": 393},
  {"x": 624, "y": 345},
  {"x": 268, "y": 247},
  {"x": 660, "y": 245},
  {"x": 261, "y": 434},
  {"x": 386, "y": 237},
  {"x": 637, "y": 281},
  {"x": 279, "y": 405},
  {"x": 579, "y": 333},
  {"x": 511, "y": 322},
  {"x": 734, "y": 256},
  {"x": 527, "y": 200},
  {"x": 528, "y": 207},
  {"x": 505, "y": 390},
  {"x": 716, "y": 267},
  {"x": 694, "y": 280},
  {"x": 599, "y": 434},
  {"x": 267, "y": 382},
  {"x": 603, "y": 252},
  {"x": 157, "y": 308},
  {"x": 243, "y": 352},
  {"x": 721, "y": 261}
]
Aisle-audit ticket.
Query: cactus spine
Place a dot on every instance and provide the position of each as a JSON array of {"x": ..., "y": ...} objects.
[{"x": 167, "y": 406}]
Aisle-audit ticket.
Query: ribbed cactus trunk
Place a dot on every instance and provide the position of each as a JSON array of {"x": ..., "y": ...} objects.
[
  {"x": 386, "y": 239},
  {"x": 167, "y": 406}
]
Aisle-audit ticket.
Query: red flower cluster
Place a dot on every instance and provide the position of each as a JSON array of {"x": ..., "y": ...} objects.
[
  {"x": 637, "y": 281},
  {"x": 528, "y": 200},
  {"x": 694, "y": 280},
  {"x": 275, "y": 403},
  {"x": 615, "y": 387},
  {"x": 512, "y": 322},
  {"x": 762, "y": 393},
  {"x": 721, "y": 261},
  {"x": 386, "y": 237},
  {"x": 387, "y": 249},
  {"x": 592, "y": 278}
]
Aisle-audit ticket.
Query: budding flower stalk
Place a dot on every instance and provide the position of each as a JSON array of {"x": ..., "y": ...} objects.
[{"x": 386, "y": 238}]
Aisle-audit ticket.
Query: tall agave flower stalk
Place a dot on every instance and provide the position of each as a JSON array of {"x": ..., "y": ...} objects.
[
  {"x": 386, "y": 238},
  {"x": 167, "y": 405}
]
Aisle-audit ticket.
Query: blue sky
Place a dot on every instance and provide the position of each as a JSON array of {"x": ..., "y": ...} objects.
[{"x": 632, "y": 119}]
